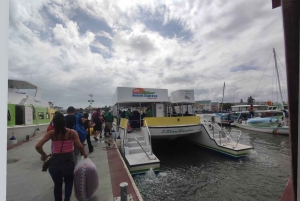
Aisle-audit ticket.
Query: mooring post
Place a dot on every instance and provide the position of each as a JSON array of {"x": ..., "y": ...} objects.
[{"x": 123, "y": 186}]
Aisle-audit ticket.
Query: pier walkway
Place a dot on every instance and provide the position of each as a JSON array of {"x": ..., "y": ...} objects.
[{"x": 26, "y": 181}]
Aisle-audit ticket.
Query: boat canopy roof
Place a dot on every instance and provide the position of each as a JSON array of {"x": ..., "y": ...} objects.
[
  {"x": 182, "y": 97},
  {"x": 20, "y": 84},
  {"x": 15, "y": 85},
  {"x": 133, "y": 96},
  {"x": 249, "y": 105}
]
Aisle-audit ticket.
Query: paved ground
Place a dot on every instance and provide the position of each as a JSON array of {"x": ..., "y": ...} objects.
[{"x": 26, "y": 181}]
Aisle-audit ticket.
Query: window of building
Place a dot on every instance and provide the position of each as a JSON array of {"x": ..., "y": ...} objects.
[
  {"x": 41, "y": 115},
  {"x": 8, "y": 115}
]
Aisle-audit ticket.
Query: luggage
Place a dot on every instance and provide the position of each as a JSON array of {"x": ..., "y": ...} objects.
[{"x": 86, "y": 179}]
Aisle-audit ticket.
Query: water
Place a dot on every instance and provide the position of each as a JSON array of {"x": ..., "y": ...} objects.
[{"x": 190, "y": 172}]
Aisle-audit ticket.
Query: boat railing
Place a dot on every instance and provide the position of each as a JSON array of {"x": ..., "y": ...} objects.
[
  {"x": 224, "y": 133},
  {"x": 151, "y": 158},
  {"x": 215, "y": 127},
  {"x": 149, "y": 135},
  {"x": 230, "y": 135}
]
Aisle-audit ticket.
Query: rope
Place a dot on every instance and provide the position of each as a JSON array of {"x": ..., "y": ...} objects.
[
  {"x": 262, "y": 75},
  {"x": 280, "y": 62},
  {"x": 108, "y": 146}
]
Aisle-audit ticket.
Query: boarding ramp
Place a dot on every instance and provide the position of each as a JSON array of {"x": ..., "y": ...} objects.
[{"x": 137, "y": 149}]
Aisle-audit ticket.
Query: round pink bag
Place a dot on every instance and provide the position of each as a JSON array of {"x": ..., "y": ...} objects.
[{"x": 86, "y": 179}]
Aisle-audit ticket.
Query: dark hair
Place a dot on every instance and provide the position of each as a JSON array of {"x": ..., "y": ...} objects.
[
  {"x": 98, "y": 110},
  {"x": 71, "y": 109},
  {"x": 59, "y": 122},
  {"x": 86, "y": 115}
]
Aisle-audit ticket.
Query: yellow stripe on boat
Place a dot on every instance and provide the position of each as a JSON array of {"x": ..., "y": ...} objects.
[
  {"x": 124, "y": 123},
  {"x": 51, "y": 112},
  {"x": 172, "y": 121}
]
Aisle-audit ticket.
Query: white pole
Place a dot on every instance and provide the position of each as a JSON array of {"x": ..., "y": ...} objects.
[{"x": 278, "y": 78}]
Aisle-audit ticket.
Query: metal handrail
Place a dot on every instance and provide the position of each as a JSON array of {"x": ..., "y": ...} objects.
[
  {"x": 229, "y": 133},
  {"x": 149, "y": 135},
  {"x": 143, "y": 149}
]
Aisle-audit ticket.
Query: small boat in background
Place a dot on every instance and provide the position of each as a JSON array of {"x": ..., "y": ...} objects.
[
  {"x": 272, "y": 119},
  {"x": 26, "y": 114}
]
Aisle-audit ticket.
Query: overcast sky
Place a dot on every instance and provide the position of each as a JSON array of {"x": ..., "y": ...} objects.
[{"x": 74, "y": 48}]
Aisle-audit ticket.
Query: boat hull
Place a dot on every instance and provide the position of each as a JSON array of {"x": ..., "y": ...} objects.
[
  {"x": 203, "y": 139},
  {"x": 20, "y": 132},
  {"x": 284, "y": 130},
  {"x": 143, "y": 168},
  {"x": 172, "y": 132}
]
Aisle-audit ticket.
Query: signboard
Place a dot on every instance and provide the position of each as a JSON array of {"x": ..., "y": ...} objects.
[
  {"x": 182, "y": 96},
  {"x": 134, "y": 94},
  {"x": 28, "y": 115}
]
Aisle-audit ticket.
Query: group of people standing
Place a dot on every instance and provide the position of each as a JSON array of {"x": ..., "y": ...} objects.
[
  {"x": 134, "y": 117},
  {"x": 66, "y": 145},
  {"x": 102, "y": 122}
]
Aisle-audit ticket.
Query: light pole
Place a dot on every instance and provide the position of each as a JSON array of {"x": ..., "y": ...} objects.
[{"x": 91, "y": 101}]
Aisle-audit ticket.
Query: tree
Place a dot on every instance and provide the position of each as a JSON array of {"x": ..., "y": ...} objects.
[
  {"x": 106, "y": 108},
  {"x": 226, "y": 106},
  {"x": 241, "y": 101},
  {"x": 250, "y": 100}
]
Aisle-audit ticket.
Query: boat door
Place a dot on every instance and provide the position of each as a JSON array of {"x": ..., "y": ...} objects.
[
  {"x": 28, "y": 115},
  {"x": 160, "y": 110}
]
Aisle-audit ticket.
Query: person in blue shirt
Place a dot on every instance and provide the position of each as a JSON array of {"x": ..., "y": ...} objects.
[{"x": 79, "y": 113}]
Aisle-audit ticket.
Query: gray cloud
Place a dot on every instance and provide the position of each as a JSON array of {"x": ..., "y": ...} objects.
[{"x": 243, "y": 67}]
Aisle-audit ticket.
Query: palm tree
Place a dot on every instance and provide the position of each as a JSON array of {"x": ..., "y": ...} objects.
[{"x": 250, "y": 100}]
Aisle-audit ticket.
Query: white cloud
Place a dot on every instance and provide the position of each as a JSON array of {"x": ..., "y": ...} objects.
[{"x": 223, "y": 36}]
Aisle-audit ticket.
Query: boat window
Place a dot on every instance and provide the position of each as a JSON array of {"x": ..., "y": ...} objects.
[
  {"x": 47, "y": 115},
  {"x": 41, "y": 115},
  {"x": 33, "y": 113},
  {"x": 8, "y": 115}
]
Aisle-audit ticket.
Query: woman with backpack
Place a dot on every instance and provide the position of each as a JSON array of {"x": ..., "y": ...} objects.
[{"x": 62, "y": 165}]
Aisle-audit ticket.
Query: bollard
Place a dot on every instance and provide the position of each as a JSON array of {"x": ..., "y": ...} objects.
[
  {"x": 27, "y": 137},
  {"x": 123, "y": 186}
]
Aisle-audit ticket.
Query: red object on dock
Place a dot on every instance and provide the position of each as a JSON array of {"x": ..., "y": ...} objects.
[
  {"x": 288, "y": 193},
  {"x": 118, "y": 174}
]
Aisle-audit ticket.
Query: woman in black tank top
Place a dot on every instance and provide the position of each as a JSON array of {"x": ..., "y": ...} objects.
[{"x": 87, "y": 125}]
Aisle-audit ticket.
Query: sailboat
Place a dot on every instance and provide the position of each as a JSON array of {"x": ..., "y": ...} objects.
[{"x": 266, "y": 123}]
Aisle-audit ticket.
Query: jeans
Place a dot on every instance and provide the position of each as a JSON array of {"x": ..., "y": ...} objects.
[
  {"x": 88, "y": 139},
  {"x": 58, "y": 176}
]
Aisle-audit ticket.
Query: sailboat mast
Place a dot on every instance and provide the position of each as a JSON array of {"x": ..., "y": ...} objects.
[{"x": 278, "y": 78}]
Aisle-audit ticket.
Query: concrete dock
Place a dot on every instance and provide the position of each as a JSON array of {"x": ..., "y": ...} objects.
[{"x": 26, "y": 181}]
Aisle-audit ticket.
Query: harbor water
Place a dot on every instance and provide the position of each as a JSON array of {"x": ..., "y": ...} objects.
[{"x": 190, "y": 172}]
